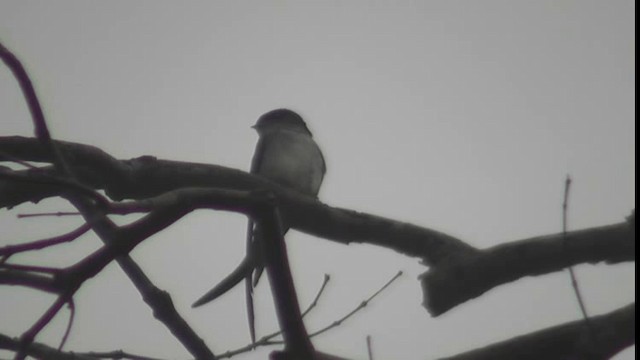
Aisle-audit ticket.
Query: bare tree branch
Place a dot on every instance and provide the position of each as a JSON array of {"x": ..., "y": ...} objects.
[
  {"x": 41, "y": 244},
  {"x": 145, "y": 177},
  {"x": 102, "y": 226},
  {"x": 449, "y": 256},
  {"x": 461, "y": 279},
  {"x": 614, "y": 332}
]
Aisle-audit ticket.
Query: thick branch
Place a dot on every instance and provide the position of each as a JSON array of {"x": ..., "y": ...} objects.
[
  {"x": 458, "y": 273},
  {"x": 614, "y": 332},
  {"x": 461, "y": 279},
  {"x": 146, "y": 176}
]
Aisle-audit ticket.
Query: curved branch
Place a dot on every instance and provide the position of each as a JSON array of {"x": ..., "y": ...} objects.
[
  {"x": 458, "y": 271},
  {"x": 146, "y": 177}
]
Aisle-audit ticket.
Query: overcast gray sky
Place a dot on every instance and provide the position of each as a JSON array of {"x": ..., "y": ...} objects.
[{"x": 461, "y": 116}]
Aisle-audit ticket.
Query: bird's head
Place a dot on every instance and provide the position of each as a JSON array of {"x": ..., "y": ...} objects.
[{"x": 281, "y": 119}]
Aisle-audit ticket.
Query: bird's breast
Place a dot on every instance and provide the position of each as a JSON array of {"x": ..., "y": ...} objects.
[{"x": 292, "y": 160}]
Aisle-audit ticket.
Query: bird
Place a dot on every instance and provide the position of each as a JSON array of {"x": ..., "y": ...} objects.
[{"x": 286, "y": 154}]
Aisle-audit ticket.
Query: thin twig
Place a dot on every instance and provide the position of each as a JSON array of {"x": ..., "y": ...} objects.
[
  {"x": 28, "y": 336},
  {"x": 314, "y": 303},
  {"x": 41, "y": 244},
  {"x": 572, "y": 275},
  {"x": 369, "y": 350},
  {"x": 118, "y": 354},
  {"x": 72, "y": 312},
  {"x": 358, "y": 308},
  {"x": 56, "y": 214},
  {"x": 574, "y": 282},
  {"x": 39, "y": 350},
  {"x": 265, "y": 340}
]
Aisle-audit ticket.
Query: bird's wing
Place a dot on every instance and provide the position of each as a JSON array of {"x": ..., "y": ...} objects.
[
  {"x": 324, "y": 164},
  {"x": 324, "y": 171},
  {"x": 258, "y": 154}
]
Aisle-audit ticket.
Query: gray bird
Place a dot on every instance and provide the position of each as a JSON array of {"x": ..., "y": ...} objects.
[{"x": 287, "y": 155}]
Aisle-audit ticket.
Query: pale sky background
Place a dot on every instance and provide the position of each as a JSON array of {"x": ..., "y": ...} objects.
[{"x": 460, "y": 116}]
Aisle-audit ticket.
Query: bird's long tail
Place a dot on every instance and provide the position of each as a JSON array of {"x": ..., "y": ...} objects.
[{"x": 241, "y": 271}]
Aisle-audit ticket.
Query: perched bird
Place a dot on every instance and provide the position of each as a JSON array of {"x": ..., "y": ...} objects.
[{"x": 287, "y": 155}]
